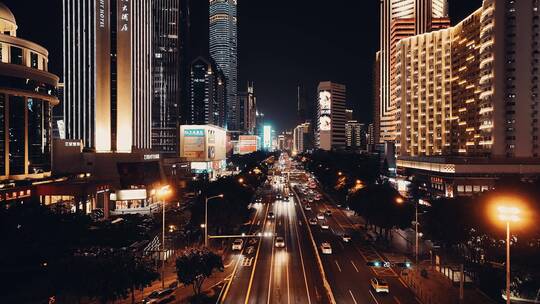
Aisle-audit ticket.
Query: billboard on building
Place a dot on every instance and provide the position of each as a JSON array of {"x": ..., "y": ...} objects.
[
  {"x": 202, "y": 143},
  {"x": 267, "y": 137},
  {"x": 247, "y": 144},
  {"x": 325, "y": 110}
]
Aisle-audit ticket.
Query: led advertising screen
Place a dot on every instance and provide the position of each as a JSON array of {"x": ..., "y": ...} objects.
[
  {"x": 194, "y": 140},
  {"x": 247, "y": 144},
  {"x": 267, "y": 137},
  {"x": 325, "y": 109}
]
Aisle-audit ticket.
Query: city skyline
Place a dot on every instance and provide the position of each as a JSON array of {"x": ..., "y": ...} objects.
[{"x": 286, "y": 31}]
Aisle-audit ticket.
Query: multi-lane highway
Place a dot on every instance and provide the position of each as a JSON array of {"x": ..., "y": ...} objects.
[{"x": 300, "y": 272}]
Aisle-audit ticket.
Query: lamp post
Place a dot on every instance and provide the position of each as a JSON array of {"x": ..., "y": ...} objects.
[
  {"x": 162, "y": 193},
  {"x": 400, "y": 200},
  {"x": 508, "y": 214},
  {"x": 206, "y": 217}
]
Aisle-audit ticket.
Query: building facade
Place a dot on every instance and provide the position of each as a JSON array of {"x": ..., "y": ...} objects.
[
  {"x": 28, "y": 92},
  {"x": 302, "y": 138},
  {"x": 224, "y": 50},
  {"x": 400, "y": 19},
  {"x": 247, "y": 109},
  {"x": 331, "y": 120},
  {"x": 472, "y": 118},
  {"x": 108, "y": 85},
  {"x": 166, "y": 78},
  {"x": 207, "y": 98},
  {"x": 355, "y": 133}
]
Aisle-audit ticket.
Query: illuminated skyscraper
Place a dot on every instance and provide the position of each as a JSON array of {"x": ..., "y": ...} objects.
[
  {"x": 331, "y": 119},
  {"x": 400, "y": 19},
  {"x": 108, "y": 85},
  {"x": 224, "y": 50},
  {"x": 166, "y": 60}
]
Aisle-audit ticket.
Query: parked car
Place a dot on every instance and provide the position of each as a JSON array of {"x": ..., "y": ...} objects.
[
  {"x": 320, "y": 216},
  {"x": 280, "y": 242},
  {"x": 313, "y": 221},
  {"x": 326, "y": 248},
  {"x": 238, "y": 244},
  {"x": 307, "y": 207},
  {"x": 379, "y": 285},
  {"x": 328, "y": 212}
]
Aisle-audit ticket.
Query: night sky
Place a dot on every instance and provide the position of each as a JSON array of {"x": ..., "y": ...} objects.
[{"x": 281, "y": 43}]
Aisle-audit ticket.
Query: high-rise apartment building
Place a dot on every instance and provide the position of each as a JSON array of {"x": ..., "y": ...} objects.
[
  {"x": 468, "y": 99},
  {"x": 108, "y": 73},
  {"x": 224, "y": 50},
  {"x": 355, "y": 135},
  {"x": 166, "y": 78},
  {"x": 302, "y": 138},
  {"x": 401, "y": 19},
  {"x": 331, "y": 120},
  {"x": 247, "y": 106},
  {"x": 207, "y": 99}
]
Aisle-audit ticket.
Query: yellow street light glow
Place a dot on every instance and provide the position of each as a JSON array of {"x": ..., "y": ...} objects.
[
  {"x": 509, "y": 214},
  {"x": 399, "y": 200},
  {"x": 241, "y": 180},
  {"x": 340, "y": 173}
]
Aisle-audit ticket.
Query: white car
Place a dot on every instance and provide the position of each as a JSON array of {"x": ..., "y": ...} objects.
[
  {"x": 325, "y": 226},
  {"x": 326, "y": 248},
  {"x": 313, "y": 221},
  {"x": 237, "y": 244},
  {"x": 346, "y": 238},
  {"x": 280, "y": 242},
  {"x": 379, "y": 285},
  {"x": 320, "y": 216}
]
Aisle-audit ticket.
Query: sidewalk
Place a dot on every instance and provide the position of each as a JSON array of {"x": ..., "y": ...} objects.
[{"x": 211, "y": 286}]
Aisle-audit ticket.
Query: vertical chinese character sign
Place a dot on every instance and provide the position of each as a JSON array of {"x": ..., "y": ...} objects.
[{"x": 124, "y": 138}]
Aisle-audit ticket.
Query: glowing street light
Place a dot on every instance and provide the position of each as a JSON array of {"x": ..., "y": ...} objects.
[
  {"x": 340, "y": 173},
  {"x": 508, "y": 214},
  {"x": 241, "y": 180},
  {"x": 400, "y": 200}
]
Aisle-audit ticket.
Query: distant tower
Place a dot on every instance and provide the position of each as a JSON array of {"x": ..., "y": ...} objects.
[
  {"x": 224, "y": 51},
  {"x": 301, "y": 104}
]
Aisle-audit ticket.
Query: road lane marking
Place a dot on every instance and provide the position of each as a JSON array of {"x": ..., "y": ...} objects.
[
  {"x": 271, "y": 275},
  {"x": 256, "y": 259},
  {"x": 302, "y": 261},
  {"x": 337, "y": 264},
  {"x": 352, "y": 296},
  {"x": 354, "y": 265},
  {"x": 374, "y": 299},
  {"x": 395, "y": 298},
  {"x": 238, "y": 261},
  {"x": 287, "y": 224},
  {"x": 326, "y": 284}
]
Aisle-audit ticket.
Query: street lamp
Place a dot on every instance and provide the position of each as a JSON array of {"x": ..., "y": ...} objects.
[
  {"x": 206, "y": 217},
  {"x": 400, "y": 200},
  {"x": 340, "y": 173},
  {"x": 162, "y": 193},
  {"x": 508, "y": 214},
  {"x": 241, "y": 180}
]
